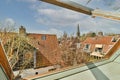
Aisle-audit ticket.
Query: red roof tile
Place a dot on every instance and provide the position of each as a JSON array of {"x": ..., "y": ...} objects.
[
  {"x": 48, "y": 48},
  {"x": 100, "y": 40},
  {"x": 106, "y": 42}
]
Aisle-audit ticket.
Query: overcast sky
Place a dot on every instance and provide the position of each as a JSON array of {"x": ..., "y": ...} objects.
[{"x": 40, "y": 17}]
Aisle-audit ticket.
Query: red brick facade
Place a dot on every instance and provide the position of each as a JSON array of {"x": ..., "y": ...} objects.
[{"x": 47, "y": 49}]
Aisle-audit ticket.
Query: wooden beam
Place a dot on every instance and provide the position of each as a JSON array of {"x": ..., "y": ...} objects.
[
  {"x": 106, "y": 14},
  {"x": 5, "y": 64},
  {"x": 83, "y": 9},
  {"x": 70, "y": 5}
]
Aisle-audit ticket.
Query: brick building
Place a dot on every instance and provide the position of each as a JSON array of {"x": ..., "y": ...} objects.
[
  {"x": 98, "y": 46},
  {"x": 45, "y": 47},
  {"x": 47, "y": 51}
]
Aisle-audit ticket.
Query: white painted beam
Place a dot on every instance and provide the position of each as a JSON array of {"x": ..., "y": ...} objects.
[{"x": 106, "y": 14}]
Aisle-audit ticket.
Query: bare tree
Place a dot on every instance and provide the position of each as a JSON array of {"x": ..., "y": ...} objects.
[
  {"x": 20, "y": 53},
  {"x": 17, "y": 49},
  {"x": 71, "y": 55}
]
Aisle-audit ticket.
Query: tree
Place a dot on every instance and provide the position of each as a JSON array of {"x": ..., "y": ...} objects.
[
  {"x": 71, "y": 55},
  {"x": 91, "y": 34},
  {"x": 17, "y": 48}
]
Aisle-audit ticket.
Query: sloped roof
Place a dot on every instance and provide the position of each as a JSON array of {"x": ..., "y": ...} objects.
[
  {"x": 99, "y": 40},
  {"x": 102, "y": 70},
  {"x": 48, "y": 48}
]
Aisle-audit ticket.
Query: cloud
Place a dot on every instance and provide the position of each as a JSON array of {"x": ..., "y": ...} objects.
[
  {"x": 99, "y": 24},
  {"x": 59, "y": 33},
  {"x": 60, "y": 17},
  {"x": 9, "y": 22},
  {"x": 106, "y": 4},
  {"x": 116, "y": 5},
  {"x": 56, "y": 17}
]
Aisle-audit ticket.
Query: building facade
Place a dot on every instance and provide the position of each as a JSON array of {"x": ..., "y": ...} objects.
[
  {"x": 98, "y": 46},
  {"x": 43, "y": 47}
]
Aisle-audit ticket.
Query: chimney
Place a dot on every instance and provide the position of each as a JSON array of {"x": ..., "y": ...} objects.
[
  {"x": 22, "y": 31},
  {"x": 100, "y": 33}
]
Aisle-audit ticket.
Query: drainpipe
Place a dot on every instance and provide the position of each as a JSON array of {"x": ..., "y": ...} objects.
[{"x": 35, "y": 51}]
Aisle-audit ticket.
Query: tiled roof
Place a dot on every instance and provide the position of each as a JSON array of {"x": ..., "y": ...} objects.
[
  {"x": 103, "y": 70},
  {"x": 100, "y": 40},
  {"x": 48, "y": 48},
  {"x": 105, "y": 41}
]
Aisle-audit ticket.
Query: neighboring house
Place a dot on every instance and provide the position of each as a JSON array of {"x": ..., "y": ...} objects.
[
  {"x": 46, "y": 50},
  {"x": 98, "y": 46},
  {"x": 107, "y": 69}
]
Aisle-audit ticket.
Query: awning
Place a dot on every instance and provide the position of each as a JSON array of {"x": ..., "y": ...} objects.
[
  {"x": 98, "y": 45},
  {"x": 96, "y": 54}
]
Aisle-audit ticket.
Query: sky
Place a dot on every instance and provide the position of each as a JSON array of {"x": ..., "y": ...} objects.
[{"x": 41, "y": 17}]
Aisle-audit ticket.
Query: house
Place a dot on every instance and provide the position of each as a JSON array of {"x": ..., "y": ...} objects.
[
  {"x": 107, "y": 69},
  {"x": 44, "y": 47},
  {"x": 98, "y": 46},
  {"x": 47, "y": 50}
]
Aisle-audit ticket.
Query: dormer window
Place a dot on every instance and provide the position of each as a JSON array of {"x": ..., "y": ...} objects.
[
  {"x": 113, "y": 39},
  {"x": 43, "y": 37},
  {"x": 87, "y": 46},
  {"x": 98, "y": 48}
]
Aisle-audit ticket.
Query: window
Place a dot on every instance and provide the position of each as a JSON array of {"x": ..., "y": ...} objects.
[
  {"x": 3, "y": 75},
  {"x": 43, "y": 37},
  {"x": 98, "y": 49},
  {"x": 87, "y": 46},
  {"x": 113, "y": 39}
]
